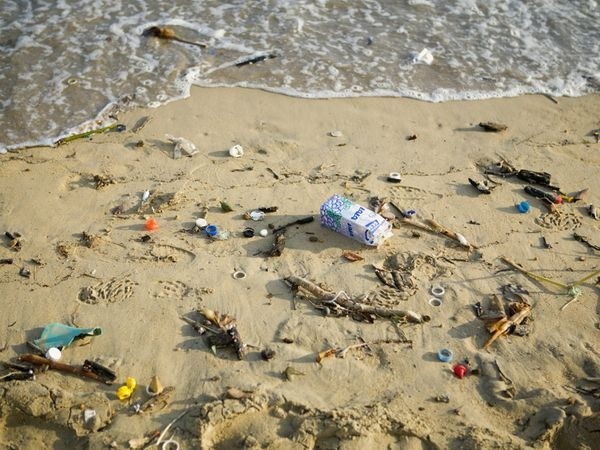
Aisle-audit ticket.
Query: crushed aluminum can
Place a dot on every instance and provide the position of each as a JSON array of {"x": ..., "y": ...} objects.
[{"x": 357, "y": 222}]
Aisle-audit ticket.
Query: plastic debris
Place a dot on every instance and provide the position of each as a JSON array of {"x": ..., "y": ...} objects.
[
  {"x": 125, "y": 391},
  {"x": 182, "y": 145},
  {"x": 53, "y": 354},
  {"x": 355, "y": 221},
  {"x": 237, "y": 151},
  {"x": 151, "y": 224},
  {"x": 59, "y": 335},
  {"x": 424, "y": 56},
  {"x": 445, "y": 355}
]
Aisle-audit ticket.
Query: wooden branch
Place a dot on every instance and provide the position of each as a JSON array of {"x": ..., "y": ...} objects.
[
  {"x": 504, "y": 325},
  {"x": 61, "y": 367},
  {"x": 353, "y": 305}
]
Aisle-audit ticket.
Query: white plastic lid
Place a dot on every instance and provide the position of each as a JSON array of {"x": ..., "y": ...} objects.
[
  {"x": 53, "y": 354},
  {"x": 200, "y": 222}
]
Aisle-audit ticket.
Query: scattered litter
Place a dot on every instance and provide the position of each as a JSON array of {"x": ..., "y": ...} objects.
[
  {"x": 253, "y": 59},
  {"x": 394, "y": 177},
  {"x": 170, "y": 444},
  {"x": 89, "y": 369},
  {"x": 59, "y": 335},
  {"x": 88, "y": 415},
  {"x": 481, "y": 186},
  {"x": 211, "y": 230},
  {"x": 167, "y": 33},
  {"x": 237, "y": 151},
  {"x": 352, "y": 257},
  {"x": 225, "y": 207},
  {"x": 434, "y": 301},
  {"x": 438, "y": 290},
  {"x": 182, "y": 145},
  {"x": 53, "y": 354},
  {"x": 460, "y": 371},
  {"x": 267, "y": 354},
  {"x": 201, "y": 222},
  {"x": 523, "y": 207},
  {"x": 256, "y": 215},
  {"x": 357, "y": 222},
  {"x": 151, "y": 224},
  {"x": 424, "y": 56},
  {"x": 239, "y": 274},
  {"x": 145, "y": 196},
  {"x": 264, "y": 232},
  {"x": 248, "y": 232},
  {"x": 548, "y": 196},
  {"x": 493, "y": 127},
  {"x": 336, "y": 133},
  {"x": 445, "y": 355},
  {"x": 125, "y": 391},
  {"x": 155, "y": 387},
  {"x": 223, "y": 329}
]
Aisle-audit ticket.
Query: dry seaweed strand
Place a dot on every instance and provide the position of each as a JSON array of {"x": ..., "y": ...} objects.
[
  {"x": 343, "y": 301},
  {"x": 572, "y": 289}
]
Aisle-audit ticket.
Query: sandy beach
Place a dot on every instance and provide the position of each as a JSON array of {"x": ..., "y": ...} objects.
[{"x": 77, "y": 252}]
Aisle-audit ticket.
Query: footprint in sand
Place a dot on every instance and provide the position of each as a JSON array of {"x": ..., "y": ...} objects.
[
  {"x": 111, "y": 291},
  {"x": 178, "y": 289},
  {"x": 559, "y": 221}
]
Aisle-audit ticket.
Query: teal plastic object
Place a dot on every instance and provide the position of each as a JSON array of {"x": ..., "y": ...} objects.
[{"x": 60, "y": 335}]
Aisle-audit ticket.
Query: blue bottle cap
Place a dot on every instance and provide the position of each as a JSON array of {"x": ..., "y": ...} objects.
[
  {"x": 523, "y": 207},
  {"x": 445, "y": 355},
  {"x": 211, "y": 230}
]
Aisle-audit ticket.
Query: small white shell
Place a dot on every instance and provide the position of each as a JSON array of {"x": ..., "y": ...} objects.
[
  {"x": 336, "y": 133},
  {"x": 145, "y": 196},
  {"x": 264, "y": 232},
  {"x": 236, "y": 151}
]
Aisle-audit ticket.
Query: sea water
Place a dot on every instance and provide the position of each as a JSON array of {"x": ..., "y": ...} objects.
[{"x": 71, "y": 65}]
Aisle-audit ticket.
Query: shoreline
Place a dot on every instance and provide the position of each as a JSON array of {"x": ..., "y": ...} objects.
[{"x": 385, "y": 396}]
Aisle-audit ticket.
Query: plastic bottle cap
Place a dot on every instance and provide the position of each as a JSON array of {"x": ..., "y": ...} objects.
[
  {"x": 211, "y": 230},
  {"x": 248, "y": 232},
  {"x": 410, "y": 213},
  {"x": 53, "y": 354},
  {"x": 438, "y": 290},
  {"x": 434, "y": 301},
  {"x": 201, "y": 223},
  {"x": 239, "y": 274},
  {"x": 523, "y": 207},
  {"x": 151, "y": 224},
  {"x": 460, "y": 371},
  {"x": 445, "y": 355},
  {"x": 394, "y": 177}
]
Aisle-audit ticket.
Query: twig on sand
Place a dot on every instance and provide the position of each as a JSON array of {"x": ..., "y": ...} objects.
[
  {"x": 171, "y": 423},
  {"x": 343, "y": 301}
]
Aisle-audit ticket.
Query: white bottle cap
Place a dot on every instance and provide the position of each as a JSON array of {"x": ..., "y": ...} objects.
[
  {"x": 201, "y": 223},
  {"x": 53, "y": 354}
]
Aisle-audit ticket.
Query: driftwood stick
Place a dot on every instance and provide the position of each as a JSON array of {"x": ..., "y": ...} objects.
[
  {"x": 504, "y": 325},
  {"x": 343, "y": 300},
  {"x": 61, "y": 367}
]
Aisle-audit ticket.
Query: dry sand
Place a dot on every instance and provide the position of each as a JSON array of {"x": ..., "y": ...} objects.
[{"x": 391, "y": 395}]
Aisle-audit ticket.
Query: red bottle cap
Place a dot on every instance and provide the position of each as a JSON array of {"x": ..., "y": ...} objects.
[
  {"x": 460, "y": 371},
  {"x": 151, "y": 224}
]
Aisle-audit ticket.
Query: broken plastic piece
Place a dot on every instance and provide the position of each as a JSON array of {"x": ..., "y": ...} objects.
[
  {"x": 59, "y": 335},
  {"x": 125, "y": 391}
]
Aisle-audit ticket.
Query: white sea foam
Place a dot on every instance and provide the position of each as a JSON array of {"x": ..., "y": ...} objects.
[{"x": 324, "y": 49}]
